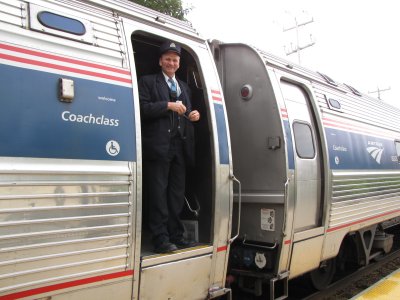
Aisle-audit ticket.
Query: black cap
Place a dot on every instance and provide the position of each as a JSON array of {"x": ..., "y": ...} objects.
[{"x": 170, "y": 46}]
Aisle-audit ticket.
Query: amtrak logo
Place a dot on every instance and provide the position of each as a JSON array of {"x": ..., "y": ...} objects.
[{"x": 376, "y": 153}]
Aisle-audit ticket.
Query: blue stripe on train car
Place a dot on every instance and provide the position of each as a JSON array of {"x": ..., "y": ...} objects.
[
  {"x": 354, "y": 151},
  {"x": 222, "y": 134},
  {"x": 99, "y": 124}
]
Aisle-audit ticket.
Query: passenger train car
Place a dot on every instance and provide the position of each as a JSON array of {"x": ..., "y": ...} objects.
[
  {"x": 319, "y": 167},
  {"x": 304, "y": 178},
  {"x": 71, "y": 209}
]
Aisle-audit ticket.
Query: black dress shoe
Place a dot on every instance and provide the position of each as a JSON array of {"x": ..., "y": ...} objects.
[
  {"x": 183, "y": 243},
  {"x": 165, "y": 247}
]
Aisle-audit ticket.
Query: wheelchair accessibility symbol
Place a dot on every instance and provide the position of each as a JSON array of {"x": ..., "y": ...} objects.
[{"x": 112, "y": 148}]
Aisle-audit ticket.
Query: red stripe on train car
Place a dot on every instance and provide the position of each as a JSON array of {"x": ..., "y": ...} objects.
[
  {"x": 222, "y": 248},
  {"x": 361, "y": 221},
  {"x": 63, "y": 59},
  {"x": 216, "y": 95},
  {"x": 65, "y": 285},
  {"x": 349, "y": 126},
  {"x": 62, "y": 68},
  {"x": 284, "y": 113}
]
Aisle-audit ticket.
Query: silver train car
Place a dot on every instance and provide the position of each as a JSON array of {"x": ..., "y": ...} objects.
[
  {"x": 319, "y": 167},
  {"x": 316, "y": 162},
  {"x": 71, "y": 210}
]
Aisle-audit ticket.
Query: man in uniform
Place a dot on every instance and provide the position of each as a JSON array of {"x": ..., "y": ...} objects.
[{"x": 167, "y": 140}]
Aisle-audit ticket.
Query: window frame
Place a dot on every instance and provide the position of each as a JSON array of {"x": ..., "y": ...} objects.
[
  {"x": 331, "y": 106},
  {"x": 36, "y": 25},
  {"x": 45, "y": 23}
]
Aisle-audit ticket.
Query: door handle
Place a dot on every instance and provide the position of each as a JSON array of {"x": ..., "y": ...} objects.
[{"x": 233, "y": 178}]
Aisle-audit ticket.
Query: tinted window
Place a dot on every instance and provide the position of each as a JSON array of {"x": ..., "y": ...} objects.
[
  {"x": 334, "y": 103},
  {"x": 398, "y": 150},
  {"x": 304, "y": 140},
  {"x": 61, "y": 23}
]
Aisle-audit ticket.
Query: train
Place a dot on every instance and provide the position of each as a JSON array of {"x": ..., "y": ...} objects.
[
  {"x": 319, "y": 168},
  {"x": 296, "y": 174}
]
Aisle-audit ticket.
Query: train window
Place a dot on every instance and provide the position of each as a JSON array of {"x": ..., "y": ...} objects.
[
  {"x": 397, "y": 143},
  {"x": 49, "y": 21},
  {"x": 55, "y": 21},
  {"x": 304, "y": 140},
  {"x": 333, "y": 103}
]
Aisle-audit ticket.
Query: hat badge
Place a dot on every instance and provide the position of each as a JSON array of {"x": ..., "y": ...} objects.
[{"x": 172, "y": 45}]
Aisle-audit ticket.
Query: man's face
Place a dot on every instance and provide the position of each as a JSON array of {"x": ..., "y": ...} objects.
[{"x": 169, "y": 63}]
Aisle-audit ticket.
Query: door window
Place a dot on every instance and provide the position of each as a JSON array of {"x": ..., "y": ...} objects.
[
  {"x": 304, "y": 140},
  {"x": 397, "y": 143}
]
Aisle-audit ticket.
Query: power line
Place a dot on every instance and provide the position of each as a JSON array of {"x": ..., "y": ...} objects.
[
  {"x": 378, "y": 90},
  {"x": 298, "y": 48}
]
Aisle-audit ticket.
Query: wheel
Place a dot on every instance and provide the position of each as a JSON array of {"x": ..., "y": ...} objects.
[{"x": 322, "y": 277}]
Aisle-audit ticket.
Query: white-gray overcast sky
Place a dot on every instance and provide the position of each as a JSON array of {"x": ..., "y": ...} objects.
[{"x": 356, "y": 41}]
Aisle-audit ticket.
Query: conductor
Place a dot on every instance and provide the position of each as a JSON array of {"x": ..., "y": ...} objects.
[{"x": 167, "y": 143}]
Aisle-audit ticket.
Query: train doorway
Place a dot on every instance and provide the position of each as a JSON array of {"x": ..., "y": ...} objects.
[
  {"x": 307, "y": 158},
  {"x": 308, "y": 183},
  {"x": 198, "y": 195},
  {"x": 198, "y": 209}
]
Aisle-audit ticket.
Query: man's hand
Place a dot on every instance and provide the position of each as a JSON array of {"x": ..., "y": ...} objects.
[
  {"x": 194, "y": 116},
  {"x": 177, "y": 107}
]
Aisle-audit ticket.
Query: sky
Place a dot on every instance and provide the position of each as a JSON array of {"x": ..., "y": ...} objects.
[{"x": 356, "y": 42}]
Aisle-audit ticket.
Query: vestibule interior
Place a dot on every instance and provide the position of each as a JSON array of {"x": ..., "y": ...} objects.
[{"x": 198, "y": 208}]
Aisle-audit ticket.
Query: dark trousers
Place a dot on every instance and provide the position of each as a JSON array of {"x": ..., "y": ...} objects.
[{"x": 164, "y": 184}]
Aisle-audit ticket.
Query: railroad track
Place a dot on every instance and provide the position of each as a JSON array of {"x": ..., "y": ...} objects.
[{"x": 359, "y": 280}]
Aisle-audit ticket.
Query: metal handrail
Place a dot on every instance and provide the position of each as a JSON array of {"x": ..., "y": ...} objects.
[
  {"x": 196, "y": 211},
  {"x": 259, "y": 246},
  {"x": 232, "y": 177},
  {"x": 285, "y": 199}
]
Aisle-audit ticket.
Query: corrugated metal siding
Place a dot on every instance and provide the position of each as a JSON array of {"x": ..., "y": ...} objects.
[
  {"x": 358, "y": 196},
  {"x": 376, "y": 112},
  {"x": 13, "y": 13},
  {"x": 62, "y": 225},
  {"x": 360, "y": 109},
  {"x": 130, "y": 9},
  {"x": 104, "y": 32},
  {"x": 107, "y": 34},
  {"x": 363, "y": 108}
]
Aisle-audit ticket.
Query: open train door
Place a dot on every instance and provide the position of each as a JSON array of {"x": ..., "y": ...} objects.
[
  {"x": 197, "y": 272},
  {"x": 308, "y": 184}
]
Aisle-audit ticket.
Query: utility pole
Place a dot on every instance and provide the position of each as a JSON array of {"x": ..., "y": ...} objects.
[
  {"x": 378, "y": 90},
  {"x": 298, "y": 48}
]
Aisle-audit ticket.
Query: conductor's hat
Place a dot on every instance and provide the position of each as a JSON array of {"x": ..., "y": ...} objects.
[{"x": 170, "y": 46}]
